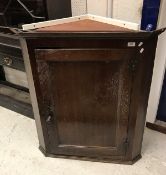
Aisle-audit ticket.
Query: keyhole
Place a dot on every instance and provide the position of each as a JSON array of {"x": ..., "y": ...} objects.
[{"x": 49, "y": 119}]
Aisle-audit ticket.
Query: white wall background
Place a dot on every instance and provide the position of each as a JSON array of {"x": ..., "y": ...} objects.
[
  {"x": 129, "y": 10},
  {"x": 79, "y": 7},
  {"x": 98, "y": 7},
  {"x": 159, "y": 68}
]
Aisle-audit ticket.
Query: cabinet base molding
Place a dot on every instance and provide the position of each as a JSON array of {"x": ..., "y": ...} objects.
[{"x": 92, "y": 159}]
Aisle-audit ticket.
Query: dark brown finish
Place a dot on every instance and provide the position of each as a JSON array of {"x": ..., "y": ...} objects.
[
  {"x": 88, "y": 104},
  {"x": 84, "y": 25},
  {"x": 90, "y": 93},
  {"x": 156, "y": 127},
  {"x": 93, "y": 159},
  {"x": 83, "y": 55}
]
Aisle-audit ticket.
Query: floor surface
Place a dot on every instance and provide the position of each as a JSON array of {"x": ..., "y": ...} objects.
[{"x": 19, "y": 154}]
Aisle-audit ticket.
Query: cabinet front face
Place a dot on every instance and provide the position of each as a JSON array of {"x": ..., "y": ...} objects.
[{"x": 85, "y": 99}]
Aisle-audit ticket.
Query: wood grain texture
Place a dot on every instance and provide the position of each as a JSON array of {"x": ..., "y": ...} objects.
[
  {"x": 83, "y": 55},
  {"x": 85, "y": 25},
  {"x": 89, "y": 98},
  {"x": 92, "y": 94}
]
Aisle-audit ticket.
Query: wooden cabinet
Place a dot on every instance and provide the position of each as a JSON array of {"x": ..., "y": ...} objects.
[{"x": 89, "y": 83}]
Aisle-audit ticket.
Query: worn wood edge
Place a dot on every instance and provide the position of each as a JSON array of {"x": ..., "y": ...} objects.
[
  {"x": 91, "y": 35},
  {"x": 156, "y": 127},
  {"x": 120, "y": 23},
  {"x": 92, "y": 159},
  {"x": 32, "y": 91}
]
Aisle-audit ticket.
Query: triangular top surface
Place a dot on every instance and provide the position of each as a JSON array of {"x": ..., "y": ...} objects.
[{"x": 84, "y": 23}]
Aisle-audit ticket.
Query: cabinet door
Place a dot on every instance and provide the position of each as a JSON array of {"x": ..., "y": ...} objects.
[{"x": 85, "y": 99}]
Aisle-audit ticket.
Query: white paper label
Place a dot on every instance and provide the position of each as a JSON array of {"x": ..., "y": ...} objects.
[{"x": 131, "y": 44}]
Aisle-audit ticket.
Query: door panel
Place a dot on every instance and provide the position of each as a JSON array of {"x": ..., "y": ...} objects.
[
  {"x": 88, "y": 101},
  {"x": 84, "y": 106}
]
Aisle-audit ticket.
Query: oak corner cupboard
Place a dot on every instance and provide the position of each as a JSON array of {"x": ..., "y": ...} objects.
[{"x": 89, "y": 80}]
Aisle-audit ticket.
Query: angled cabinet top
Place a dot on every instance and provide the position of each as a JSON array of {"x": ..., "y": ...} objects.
[{"x": 86, "y": 25}]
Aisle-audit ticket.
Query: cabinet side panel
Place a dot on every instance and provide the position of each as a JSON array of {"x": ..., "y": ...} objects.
[
  {"x": 140, "y": 93},
  {"x": 32, "y": 92},
  {"x": 147, "y": 68}
]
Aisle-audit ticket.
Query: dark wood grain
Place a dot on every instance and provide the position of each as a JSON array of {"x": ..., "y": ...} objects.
[
  {"x": 112, "y": 70},
  {"x": 90, "y": 92},
  {"x": 83, "y": 55},
  {"x": 85, "y": 25}
]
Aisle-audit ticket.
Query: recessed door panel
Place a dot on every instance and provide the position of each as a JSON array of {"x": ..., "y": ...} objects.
[{"x": 88, "y": 101}]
